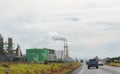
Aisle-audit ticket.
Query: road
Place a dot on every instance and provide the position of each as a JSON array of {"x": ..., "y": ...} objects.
[{"x": 102, "y": 70}]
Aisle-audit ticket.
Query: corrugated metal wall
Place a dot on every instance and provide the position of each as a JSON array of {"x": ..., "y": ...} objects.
[{"x": 37, "y": 55}]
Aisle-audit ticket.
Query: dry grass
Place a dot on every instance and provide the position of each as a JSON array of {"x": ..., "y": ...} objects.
[{"x": 34, "y": 68}]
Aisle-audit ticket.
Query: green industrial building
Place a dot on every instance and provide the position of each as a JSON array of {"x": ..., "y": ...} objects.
[{"x": 37, "y": 55}]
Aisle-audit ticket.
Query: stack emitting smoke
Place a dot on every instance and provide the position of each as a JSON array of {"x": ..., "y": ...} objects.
[
  {"x": 58, "y": 37},
  {"x": 66, "y": 52}
]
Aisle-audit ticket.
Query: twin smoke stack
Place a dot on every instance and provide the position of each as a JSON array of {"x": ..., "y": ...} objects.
[{"x": 66, "y": 52}]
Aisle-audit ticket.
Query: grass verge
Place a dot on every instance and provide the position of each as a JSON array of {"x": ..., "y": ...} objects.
[
  {"x": 34, "y": 68},
  {"x": 114, "y": 64}
]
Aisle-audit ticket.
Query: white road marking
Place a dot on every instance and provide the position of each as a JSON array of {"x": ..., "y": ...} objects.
[{"x": 82, "y": 69}]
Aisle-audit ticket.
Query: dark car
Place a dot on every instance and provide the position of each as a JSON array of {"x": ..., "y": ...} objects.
[
  {"x": 93, "y": 63},
  {"x": 81, "y": 61}
]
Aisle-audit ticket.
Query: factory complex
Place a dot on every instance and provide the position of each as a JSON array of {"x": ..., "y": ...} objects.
[
  {"x": 39, "y": 55},
  {"x": 7, "y": 52}
]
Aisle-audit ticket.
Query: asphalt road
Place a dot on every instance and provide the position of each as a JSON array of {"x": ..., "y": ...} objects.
[{"x": 102, "y": 70}]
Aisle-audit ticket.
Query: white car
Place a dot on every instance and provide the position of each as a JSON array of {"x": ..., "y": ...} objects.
[{"x": 100, "y": 63}]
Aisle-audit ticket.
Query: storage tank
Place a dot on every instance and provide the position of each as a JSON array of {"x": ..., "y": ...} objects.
[{"x": 37, "y": 55}]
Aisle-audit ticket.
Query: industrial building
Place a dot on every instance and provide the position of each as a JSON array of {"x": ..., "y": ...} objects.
[
  {"x": 52, "y": 55},
  {"x": 37, "y": 55},
  {"x": 45, "y": 54},
  {"x": 7, "y": 52},
  {"x": 10, "y": 54},
  {"x": 40, "y": 55}
]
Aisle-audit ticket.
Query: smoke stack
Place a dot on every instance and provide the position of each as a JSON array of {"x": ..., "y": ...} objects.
[
  {"x": 1, "y": 43},
  {"x": 66, "y": 52},
  {"x": 10, "y": 42},
  {"x": 64, "y": 49}
]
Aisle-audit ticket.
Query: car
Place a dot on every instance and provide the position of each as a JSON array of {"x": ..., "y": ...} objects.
[
  {"x": 93, "y": 63},
  {"x": 100, "y": 63},
  {"x": 81, "y": 61},
  {"x": 86, "y": 62}
]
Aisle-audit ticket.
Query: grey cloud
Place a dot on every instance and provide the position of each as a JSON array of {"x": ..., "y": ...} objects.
[
  {"x": 62, "y": 18},
  {"x": 72, "y": 19}
]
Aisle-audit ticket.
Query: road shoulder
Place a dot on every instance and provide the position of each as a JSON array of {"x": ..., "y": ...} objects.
[
  {"x": 76, "y": 71},
  {"x": 116, "y": 70}
]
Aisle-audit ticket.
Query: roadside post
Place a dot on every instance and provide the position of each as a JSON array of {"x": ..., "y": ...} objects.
[{"x": 6, "y": 68}]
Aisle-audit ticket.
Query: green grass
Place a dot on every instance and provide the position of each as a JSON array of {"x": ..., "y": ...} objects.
[
  {"x": 34, "y": 68},
  {"x": 114, "y": 64}
]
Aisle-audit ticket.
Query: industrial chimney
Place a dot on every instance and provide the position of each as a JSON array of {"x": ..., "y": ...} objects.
[
  {"x": 1, "y": 43},
  {"x": 64, "y": 49},
  {"x": 10, "y": 43},
  {"x": 66, "y": 52}
]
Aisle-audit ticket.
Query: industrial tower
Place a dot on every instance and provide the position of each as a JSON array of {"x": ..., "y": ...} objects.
[{"x": 66, "y": 52}]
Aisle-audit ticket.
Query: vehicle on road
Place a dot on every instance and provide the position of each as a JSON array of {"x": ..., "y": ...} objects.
[
  {"x": 93, "y": 63},
  {"x": 100, "y": 63},
  {"x": 81, "y": 61},
  {"x": 86, "y": 62}
]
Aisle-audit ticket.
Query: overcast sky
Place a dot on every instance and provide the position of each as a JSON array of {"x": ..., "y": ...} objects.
[{"x": 92, "y": 27}]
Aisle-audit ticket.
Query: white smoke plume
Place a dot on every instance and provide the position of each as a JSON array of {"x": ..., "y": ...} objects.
[{"x": 56, "y": 36}]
